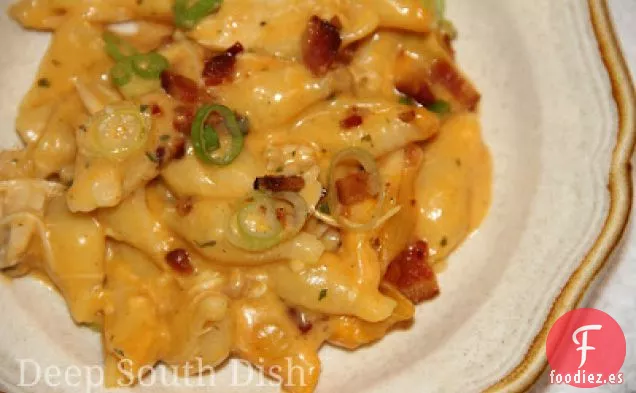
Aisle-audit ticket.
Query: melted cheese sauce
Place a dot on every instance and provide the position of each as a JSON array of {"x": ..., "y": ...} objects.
[{"x": 106, "y": 236}]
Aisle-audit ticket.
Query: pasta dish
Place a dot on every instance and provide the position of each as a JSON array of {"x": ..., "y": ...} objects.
[{"x": 205, "y": 179}]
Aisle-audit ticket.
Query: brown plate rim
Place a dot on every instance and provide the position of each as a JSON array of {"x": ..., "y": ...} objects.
[{"x": 530, "y": 369}]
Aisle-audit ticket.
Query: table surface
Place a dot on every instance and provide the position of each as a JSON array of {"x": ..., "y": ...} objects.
[{"x": 616, "y": 292}]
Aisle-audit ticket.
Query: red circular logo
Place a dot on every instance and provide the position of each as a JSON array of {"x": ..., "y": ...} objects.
[{"x": 586, "y": 348}]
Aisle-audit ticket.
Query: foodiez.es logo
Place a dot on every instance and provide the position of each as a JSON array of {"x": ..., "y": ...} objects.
[{"x": 586, "y": 348}]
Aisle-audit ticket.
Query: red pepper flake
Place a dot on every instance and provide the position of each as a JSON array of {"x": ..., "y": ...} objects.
[
  {"x": 412, "y": 275},
  {"x": 179, "y": 87},
  {"x": 351, "y": 121},
  {"x": 320, "y": 45},
  {"x": 219, "y": 68},
  {"x": 179, "y": 260},
  {"x": 156, "y": 110}
]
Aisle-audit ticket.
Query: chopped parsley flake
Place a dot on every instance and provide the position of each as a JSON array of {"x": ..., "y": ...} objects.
[
  {"x": 152, "y": 157},
  {"x": 210, "y": 243},
  {"x": 406, "y": 100},
  {"x": 323, "y": 294},
  {"x": 324, "y": 208},
  {"x": 444, "y": 242}
]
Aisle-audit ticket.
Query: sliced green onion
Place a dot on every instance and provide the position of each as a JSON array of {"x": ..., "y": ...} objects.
[
  {"x": 437, "y": 7},
  {"x": 187, "y": 15},
  {"x": 367, "y": 161},
  {"x": 205, "y": 139},
  {"x": 117, "y": 48},
  {"x": 149, "y": 65},
  {"x": 117, "y": 131},
  {"x": 447, "y": 27},
  {"x": 121, "y": 73},
  {"x": 256, "y": 226},
  {"x": 440, "y": 107}
]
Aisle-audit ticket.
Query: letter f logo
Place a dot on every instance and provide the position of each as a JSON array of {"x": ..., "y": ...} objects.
[{"x": 583, "y": 344}]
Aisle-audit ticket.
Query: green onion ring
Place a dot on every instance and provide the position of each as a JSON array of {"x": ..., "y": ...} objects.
[
  {"x": 188, "y": 16},
  {"x": 368, "y": 163},
  {"x": 241, "y": 235},
  {"x": 149, "y": 65},
  {"x": 117, "y": 48},
  {"x": 121, "y": 73},
  {"x": 205, "y": 138}
]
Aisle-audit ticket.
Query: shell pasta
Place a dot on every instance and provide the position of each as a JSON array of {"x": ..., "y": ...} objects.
[{"x": 242, "y": 178}]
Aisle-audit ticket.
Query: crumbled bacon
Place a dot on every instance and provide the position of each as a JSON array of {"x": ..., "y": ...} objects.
[
  {"x": 351, "y": 121},
  {"x": 336, "y": 22},
  {"x": 219, "y": 68},
  {"x": 412, "y": 275},
  {"x": 353, "y": 189},
  {"x": 280, "y": 183},
  {"x": 320, "y": 44},
  {"x": 446, "y": 74},
  {"x": 179, "y": 260},
  {"x": 183, "y": 118},
  {"x": 179, "y": 87},
  {"x": 416, "y": 88}
]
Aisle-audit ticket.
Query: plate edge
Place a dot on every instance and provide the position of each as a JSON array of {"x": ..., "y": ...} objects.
[{"x": 620, "y": 187}]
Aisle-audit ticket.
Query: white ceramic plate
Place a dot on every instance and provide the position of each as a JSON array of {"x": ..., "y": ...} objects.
[{"x": 558, "y": 115}]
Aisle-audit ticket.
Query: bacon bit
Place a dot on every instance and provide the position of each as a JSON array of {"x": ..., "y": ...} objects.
[
  {"x": 351, "y": 121},
  {"x": 184, "y": 206},
  {"x": 179, "y": 87},
  {"x": 219, "y": 68},
  {"x": 179, "y": 260},
  {"x": 444, "y": 73},
  {"x": 353, "y": 189},
  {"x": 179, "y": 149},
  {"x": 407, "y": 116},
  {"x": 336, "y": 22},
  {"x": 416, "y": 88},
  {"x": 412, "y": 275},
  {"x": 156, "y": 110},
  {"x": 320, "y": 44},
  {"x": 301, "y": 319},
  {"x": 280, "y": 183},
  {"x": 183, "y": 118}
]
